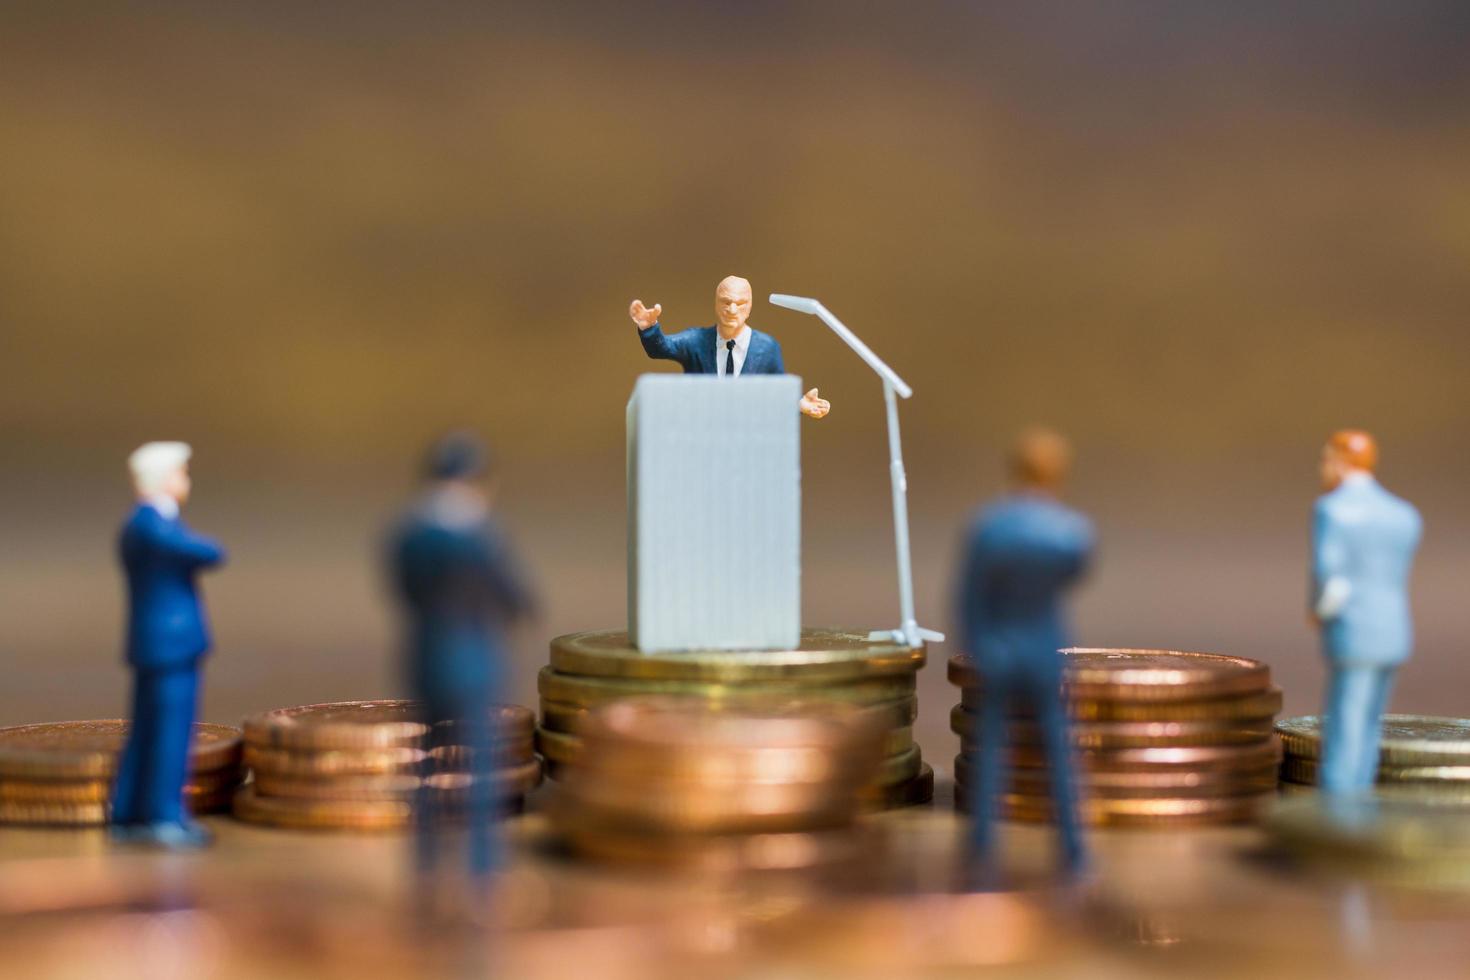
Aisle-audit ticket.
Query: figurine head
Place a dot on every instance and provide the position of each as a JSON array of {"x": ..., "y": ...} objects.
[
  {"x": 161, "y": 469},
  {"x": 1348, "y": 451},
  {"x": 732, "y": 305},
  {"x": 459, "y": 457},
  {"x": 1040, "y": 460}
]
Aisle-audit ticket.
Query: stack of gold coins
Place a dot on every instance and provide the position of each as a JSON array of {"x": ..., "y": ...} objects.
[
  {"x": 359, "y": 765},
  {"x": 61, "y": 773},
  {"x": 676, "y": 781},
  {"x": 1397, "y": 839},
  {"x": 592, "y": 669},
  {"x": 1421, "y": 756},
  {"x": 1162, "y": 738}
]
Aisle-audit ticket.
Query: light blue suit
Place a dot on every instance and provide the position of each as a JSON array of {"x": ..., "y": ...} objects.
[{"x": 1363, "y": 544}]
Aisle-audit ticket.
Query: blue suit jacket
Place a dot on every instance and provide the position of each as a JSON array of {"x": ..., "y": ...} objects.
[
  {"x": 1365, "y": 536},
  {"x": 460, "y": 586},
  {"x": 694, "y": 349},
  {"x": 161, "y": 556},
  {"x": 1022, "y": 553}
]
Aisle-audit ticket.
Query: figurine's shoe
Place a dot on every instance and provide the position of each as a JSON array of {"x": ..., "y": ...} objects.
[{"x": 175, "y": 835}]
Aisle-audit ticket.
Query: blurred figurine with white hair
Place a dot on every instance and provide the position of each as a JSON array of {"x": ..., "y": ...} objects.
[{"x": 166, "y": 643}]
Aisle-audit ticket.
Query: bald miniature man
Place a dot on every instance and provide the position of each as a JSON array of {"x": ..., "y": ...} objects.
[
  {"x": 1363, "y": 544},
  {"x": 729, "y": 349}
]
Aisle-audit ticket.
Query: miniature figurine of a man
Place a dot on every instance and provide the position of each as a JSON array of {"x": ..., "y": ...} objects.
[
  {"x": 1363, "y": 544},
  {"x": 1022, "y": 554},
  {"x": 167, "y": 640},
  {"x": 461, "y": 589},
  {"x": 729, "y": 349}
]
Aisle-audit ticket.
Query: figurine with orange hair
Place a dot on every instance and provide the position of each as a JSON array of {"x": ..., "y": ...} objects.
[{"x": 1363, "y": 544}]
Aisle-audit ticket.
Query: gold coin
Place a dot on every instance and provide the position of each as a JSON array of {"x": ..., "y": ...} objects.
[
  {"x": 1107, "y": 674},
  {"x": 55, "y": 791},
  {"x": 1373, "y": 828},
  {"x": 587, "y": 692},
  {"x": 278, "y": 811},
  {"x": 825, "y": 655},
  {"x": 558, "y": 716},
  {"x": 79, "y": 750},
  {"x": 340, "y": 725},
  {"x": 1408, "y": 740},
  {"x": 1299, "y": 769},
  {"x": 910, "y": 792},
  {"x": 1213, "y": 757},
  {"x": 1126, "y": 734},
  {"x": 334, "y": 762}
]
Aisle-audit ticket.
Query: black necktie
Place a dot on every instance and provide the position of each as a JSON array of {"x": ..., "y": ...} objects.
[{"x": 729, "y": 358}]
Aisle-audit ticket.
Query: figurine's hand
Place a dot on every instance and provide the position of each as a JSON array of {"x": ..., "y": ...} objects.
[
  {"x": 643, "y": 316},
  {"x": 813, "y": 406}
]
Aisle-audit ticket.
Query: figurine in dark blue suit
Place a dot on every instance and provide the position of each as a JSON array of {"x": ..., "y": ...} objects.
[
  {"x": 1363, "y": 544},
  {"x": 461, "y": 589},
  {"x": 1023, "y": 553},
  {"x": 729, "y": 349},
  {"x": 167, "y": 640}
]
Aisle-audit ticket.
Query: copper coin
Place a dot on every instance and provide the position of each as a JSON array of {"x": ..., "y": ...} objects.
[
  {"x": 1214, "y": 757},
  {"x": 696, "y": 809},
  {"x": 507, "y": 722},
  {"x": 725, "y": 852},
  {"x": 79, "y": 750},
  {"x": 558, "y": 716},
  {"x": 339, "y": 725},
  {"x": 278, "y": 811},
  {"x": 334, "y": 762},
  {"x": 1158, "y": 812},
  {"x": 1107, "y": 674},
  {"x": 506, "y": 752},
  {"x": 1238, "y": 707},
  {"x": 825, "y": 655},
  {"x": 1127, "y": 734},
  {"x": 1134, "y": 785}
]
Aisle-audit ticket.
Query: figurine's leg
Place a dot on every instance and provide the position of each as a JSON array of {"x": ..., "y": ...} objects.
[
  {"x": 125, "y": 789},
  {"x": 985, "y": 778},
  {"x": 426, "y": 822},
  {"x": 1382, "y": 686},
  {"x": 1051, "y": 718},
  {"x": 484, "y": 837},
  {"x": 176, "y": 693},
  {"x": 1345, "y": 730}
]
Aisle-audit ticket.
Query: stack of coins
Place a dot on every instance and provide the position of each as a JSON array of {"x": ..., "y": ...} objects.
[
  {"x": 1162, "y": 738},
  {"x": 358, "y": 765},
  {"x": 1395, "y": 839},
  {"x": 61, "y": 773},
  {"x": 675, "y": 781},
  {"x": 592, "y": 669},
  {"x": 1421, "y": 756}
]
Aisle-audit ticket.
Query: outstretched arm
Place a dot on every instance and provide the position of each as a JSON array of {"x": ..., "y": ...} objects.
[{"x": 656, "y": 344}]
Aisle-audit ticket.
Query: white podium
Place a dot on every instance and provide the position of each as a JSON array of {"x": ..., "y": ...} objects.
[{"x": 714, "y": 513}]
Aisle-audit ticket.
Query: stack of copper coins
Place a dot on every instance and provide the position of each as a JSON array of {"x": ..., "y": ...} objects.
[
  {"x": 1161, "y": 738},
  {"x": 359, "y": 765},
  {"x": 592, "y": 669},
  {"x": 1420, "y": 756},
  {"x": 61, "y": 773},
  {"x": 675, "y": 781}
]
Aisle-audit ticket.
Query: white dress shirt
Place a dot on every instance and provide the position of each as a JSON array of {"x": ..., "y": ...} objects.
[
  {"x": 164, "y": 504},
  {"x": 742, "y": 344}
]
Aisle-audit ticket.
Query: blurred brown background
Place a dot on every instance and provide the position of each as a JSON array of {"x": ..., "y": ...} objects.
[{"x": 1197, "y": 237}]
